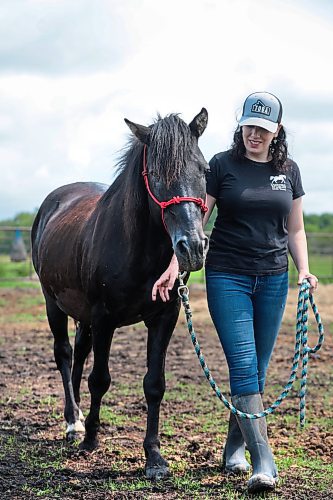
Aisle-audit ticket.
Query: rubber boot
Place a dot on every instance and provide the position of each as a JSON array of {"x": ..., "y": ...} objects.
[
  {"x": 264, "y": 472},
  {"x": 233, "y": 459},
  {"x": 263, "y": 432}
]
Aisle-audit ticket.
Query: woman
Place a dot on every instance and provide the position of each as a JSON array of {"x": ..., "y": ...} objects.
[{"x": 258, "y": 193}]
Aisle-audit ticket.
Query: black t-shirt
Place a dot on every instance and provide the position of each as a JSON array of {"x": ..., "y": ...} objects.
[{"x": 253, "y": 203}]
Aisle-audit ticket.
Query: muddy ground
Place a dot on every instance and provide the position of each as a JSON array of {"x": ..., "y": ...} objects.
[{"x": 36, "y": 462}]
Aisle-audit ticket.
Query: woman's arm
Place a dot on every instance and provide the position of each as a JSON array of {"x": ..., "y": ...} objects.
[
  {"x": 166, "y": 281},
  {"x": 210, "y": 204},
  {"x": 298, "y": 246}
]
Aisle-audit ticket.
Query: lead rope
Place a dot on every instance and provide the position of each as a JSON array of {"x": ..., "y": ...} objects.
[{"x": 301, "y": 339}]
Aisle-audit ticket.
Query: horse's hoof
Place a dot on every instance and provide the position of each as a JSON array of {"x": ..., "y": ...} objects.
[
  {"x": 157, "y": 472},
  {"x": 73, "y": 431},
  {"x": 72, "y": 437},
  {"x": 90, "y": 445}
]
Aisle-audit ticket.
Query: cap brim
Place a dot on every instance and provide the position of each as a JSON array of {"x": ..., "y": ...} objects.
[{"x": 259, "y": 122}]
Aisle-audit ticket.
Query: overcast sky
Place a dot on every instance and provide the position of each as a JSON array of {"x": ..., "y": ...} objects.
[{"x": 71, "y": 70}]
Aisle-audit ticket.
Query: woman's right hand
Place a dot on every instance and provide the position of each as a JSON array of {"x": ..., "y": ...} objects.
[{"x": 166, "y": 281}]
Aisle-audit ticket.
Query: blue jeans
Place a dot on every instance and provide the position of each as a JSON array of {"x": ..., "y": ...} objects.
[{"x": 247, "y": 313}]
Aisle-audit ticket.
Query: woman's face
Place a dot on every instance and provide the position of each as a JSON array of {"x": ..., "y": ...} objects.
[{"x": 257, "y": 141}]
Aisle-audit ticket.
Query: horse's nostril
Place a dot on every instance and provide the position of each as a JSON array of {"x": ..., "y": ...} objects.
[
  {"x": 182, "y": 246},
  {"x": 191, "y": 252}
]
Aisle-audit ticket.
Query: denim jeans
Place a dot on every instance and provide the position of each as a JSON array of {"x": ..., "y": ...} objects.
[{"x": 247, "y": 313}]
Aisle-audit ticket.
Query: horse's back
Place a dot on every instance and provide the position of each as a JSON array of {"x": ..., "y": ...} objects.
[{"x": 67, "y": 204}]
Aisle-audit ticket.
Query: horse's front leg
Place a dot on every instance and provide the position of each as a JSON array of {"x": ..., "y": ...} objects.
[
  {"x": 159, "y": 333},
  {"x": 99, "y": 378}
]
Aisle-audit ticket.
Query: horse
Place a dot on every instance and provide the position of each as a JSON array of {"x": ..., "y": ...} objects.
[{"x": 99, "y": 249}]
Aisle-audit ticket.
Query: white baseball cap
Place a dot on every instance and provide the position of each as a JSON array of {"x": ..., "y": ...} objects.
[{"x": 263, "y": 110}]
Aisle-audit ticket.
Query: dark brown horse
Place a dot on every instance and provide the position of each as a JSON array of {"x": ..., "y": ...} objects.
[{"x": 98, "y": 251}]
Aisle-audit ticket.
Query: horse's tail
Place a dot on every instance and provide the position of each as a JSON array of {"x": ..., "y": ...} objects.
[{"x": 42, "y": 217}]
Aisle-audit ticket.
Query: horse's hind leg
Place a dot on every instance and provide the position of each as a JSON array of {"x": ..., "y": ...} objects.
[
  {"x": 99, "y": 378},
  {"x": 82, "y": 347},
  {"x": 58, "y": 322},
  {"x": 159, "y": 334}
]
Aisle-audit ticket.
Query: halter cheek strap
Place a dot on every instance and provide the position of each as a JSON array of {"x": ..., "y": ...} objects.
[{"x": 175, "y": 200}]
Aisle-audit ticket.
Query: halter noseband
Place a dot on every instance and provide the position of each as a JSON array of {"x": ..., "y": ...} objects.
[{"x": 175, "y": 200}]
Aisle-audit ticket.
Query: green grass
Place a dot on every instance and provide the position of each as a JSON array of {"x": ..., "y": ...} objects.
[
  {"x": 29, "y": 301},
  {"x": 50, "y": 468},
  {"x": 197, "y": 277},
  {"x": 55, "y": 476},
  {"x": 11, "y": 272},
  {"x": 23, "y": 317},
  {"x": 14, "y": 270},
  {"x": 16, "y": 274},
  {"x": 114, "y": 418},
  {"x": 19, "y": 283},
  {"x": 320, "y": 265},
  {"x": 49, "y": 474}
]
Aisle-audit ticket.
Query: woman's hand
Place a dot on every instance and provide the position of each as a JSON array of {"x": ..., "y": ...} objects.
[
  {"x": 311, "y": 278},
  {"x": 166, "y": 281}
]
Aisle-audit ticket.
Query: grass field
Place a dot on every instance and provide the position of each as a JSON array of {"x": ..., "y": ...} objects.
[
  {"x": 14, "y": 270},
  {"x": 36, "y": 462},
  {"x": 320, "y": 265}
]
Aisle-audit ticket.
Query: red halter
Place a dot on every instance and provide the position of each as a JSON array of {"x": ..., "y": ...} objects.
[{"x": 175, "y": 199}]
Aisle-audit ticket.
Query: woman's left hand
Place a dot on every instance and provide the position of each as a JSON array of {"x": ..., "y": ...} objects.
[{"x": 311, "y": 278}]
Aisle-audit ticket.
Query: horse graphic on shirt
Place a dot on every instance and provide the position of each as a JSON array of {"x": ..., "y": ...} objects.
[{"x": 278, "y": 182}]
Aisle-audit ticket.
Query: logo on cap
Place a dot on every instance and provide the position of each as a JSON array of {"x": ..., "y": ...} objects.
[{"x": 260, "y": 107}]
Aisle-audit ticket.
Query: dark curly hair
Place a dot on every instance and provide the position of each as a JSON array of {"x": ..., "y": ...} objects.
[{"x": 278, "y": 149}]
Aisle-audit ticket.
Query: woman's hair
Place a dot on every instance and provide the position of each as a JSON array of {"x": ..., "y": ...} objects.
[{"x": 278, "y": 149}]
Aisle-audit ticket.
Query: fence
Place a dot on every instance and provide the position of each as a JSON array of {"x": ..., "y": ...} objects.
[{"x": 320, "y": 247}]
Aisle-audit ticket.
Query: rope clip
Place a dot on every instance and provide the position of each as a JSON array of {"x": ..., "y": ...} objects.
[{"x": 182, "y": 289}]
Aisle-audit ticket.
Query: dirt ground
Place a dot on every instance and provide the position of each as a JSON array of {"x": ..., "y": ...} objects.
[{"x": 31, "y": 399}]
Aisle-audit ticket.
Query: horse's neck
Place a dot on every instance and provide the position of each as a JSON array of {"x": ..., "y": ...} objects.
[
  {"x": 134, "y": 228},
  {"x": 148, "y": 236},
  {"x": 123, "y": 214}
]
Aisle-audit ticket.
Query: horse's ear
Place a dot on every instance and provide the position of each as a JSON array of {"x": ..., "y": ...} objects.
[
  {"x": 199, "y": 123},
  {"x": 140, "y": 131}
]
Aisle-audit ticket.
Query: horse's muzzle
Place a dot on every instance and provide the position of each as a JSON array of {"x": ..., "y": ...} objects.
[{"x": 191, "y": 252}]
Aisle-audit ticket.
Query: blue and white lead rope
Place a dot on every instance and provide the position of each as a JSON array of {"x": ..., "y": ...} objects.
[{"x": 301, "y": 340}]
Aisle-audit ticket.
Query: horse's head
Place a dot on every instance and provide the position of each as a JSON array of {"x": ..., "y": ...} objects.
[{"x": 174, "y": 171}]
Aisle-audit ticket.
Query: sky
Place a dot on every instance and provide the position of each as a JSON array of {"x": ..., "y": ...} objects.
[{"x": 72, "y": 70}]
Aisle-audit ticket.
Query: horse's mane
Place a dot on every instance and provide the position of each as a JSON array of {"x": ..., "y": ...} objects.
[
  {"x": 170, "y": 143},
  {"x": 171, "y": 140}
]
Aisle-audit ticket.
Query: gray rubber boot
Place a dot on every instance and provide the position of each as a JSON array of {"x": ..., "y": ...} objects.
[
  {"x": 233, "y": 459},
  {"x": 264, "y": 473}
]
